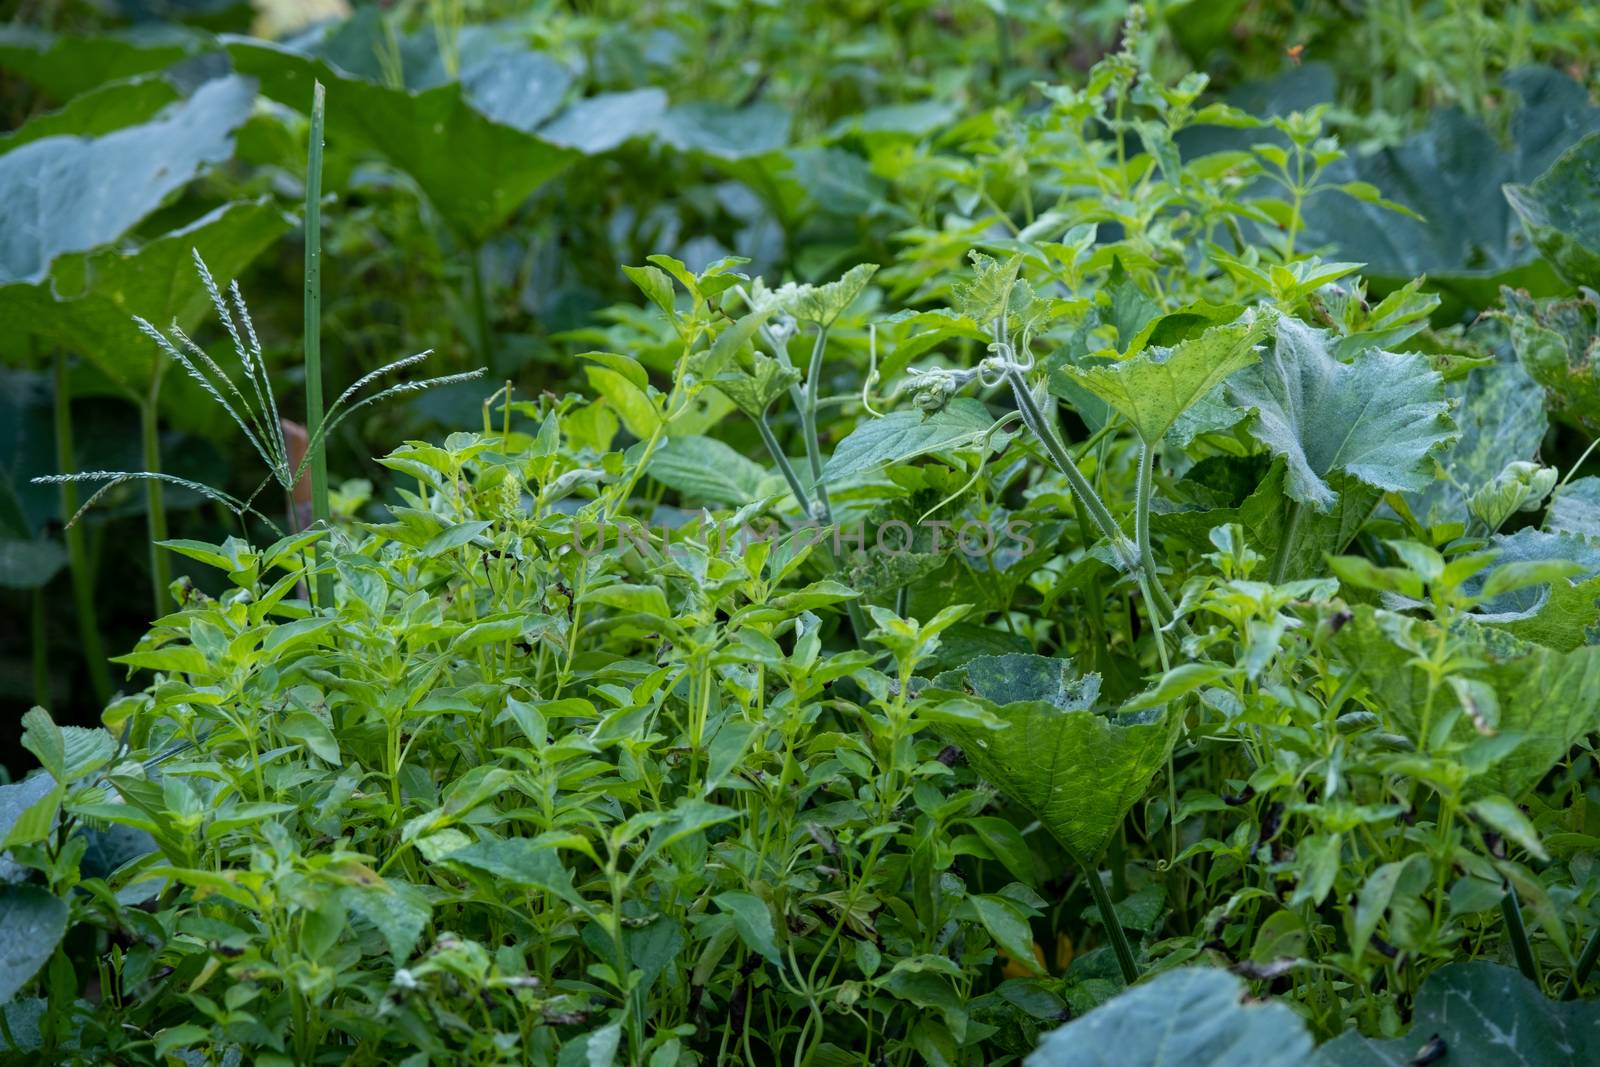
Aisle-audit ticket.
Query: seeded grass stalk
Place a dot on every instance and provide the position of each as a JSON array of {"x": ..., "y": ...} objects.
[
  {"x": 315, "y": 450},
  {"x": 94, "y": 654}
]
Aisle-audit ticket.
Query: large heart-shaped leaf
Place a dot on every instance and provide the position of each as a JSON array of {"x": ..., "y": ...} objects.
[
  {"x": 1482, "y": 1015},
  {"x": 1076, "y": 771},
  {"x": 1467, "y": 240},
  {"x": 1561, "y": 210},
  {"x": 1377, "y": 418},
  {"x": 907, "y": 434},
  {"x": 32, "y": 923},
  {"x": 474, "y": 170},
  {"x": 1189, "y": 1017},
  {"x": 1547, "y": 699},
  {"x": 1156, "y": 386},
  {"x": 89, "y": 304},
  {"x": 71, "y": 194}
]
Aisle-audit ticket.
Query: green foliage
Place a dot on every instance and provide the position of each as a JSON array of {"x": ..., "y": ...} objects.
[{"x": 972, "y": 523}]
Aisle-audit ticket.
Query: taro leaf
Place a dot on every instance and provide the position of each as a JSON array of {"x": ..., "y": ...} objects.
[
  {"x": 474, "y": 171},
  {"x": 1468, "y": 241},
  {"x": 32, "y": 924},
  {"x": 1153, "y": 388},
  {"x": 68, "y": 66},
  {"x": 71, "y": 194},
  {"x": 1501, "y": 419},
  {"x": 1188, "y": 1017},
  {"x": 1558, "y": 342},
  {"x": 907, "y": 434},
  {"x": 1561, "y": 210},
  {"x": 704, "y": 470},
  {"x": 1548, "y": 699},
  {"x": 1377, "y": 418},
  {"x": 1076, "y": 771},
  {"x": 1486, "y": 1015},
  {"x": 96, "y": 295},
  {"x": 99, "y": 111},
  {"x": 1575, "y": 510}
]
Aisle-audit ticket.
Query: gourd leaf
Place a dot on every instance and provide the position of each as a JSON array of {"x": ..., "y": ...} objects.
[
  {"x": 1556, "y": 342},
  {"x": 1467, "y": 239},
  {"x": 32, "y": 924},
  {"x": 474, "y": 170},
  {"x": 1547, "y": 699},
  {"x": 110, "y": 107},
  {"x": 1188, "y": 1017},
  {"x": 66, "y": 66},
  {"x": 1156, "y": 386},
  {"x": 88, "y": 303},
  {"x": 1575, "y": 509},
  {"x": 907, "y": 434},
  {"x": 752, "y": 381},
  {"x": 1076, "y": 771},
  {"x": 1377, "y": 418},
  {"x": 72, "y": 194},
  {"x": 1484, "y": 1015},
  {"x": 1561, "y": 210},
  {"x": 1501, "y": 420},
  {"x": 820, "y": 305}
]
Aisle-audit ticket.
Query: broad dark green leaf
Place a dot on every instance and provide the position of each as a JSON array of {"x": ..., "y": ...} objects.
[
  {"x": 1561, "y": 210},
  {"x": 1575, "y": 509},
  {"x": 704, "y": 470},
  {"x": 95, "y": 296},
  {"x": 1486, "y": 1015},
  {"x": 1557, "y": 341},
  {"x": 1377, "y": 418},
  {"x": 1156, "y": 386},
  {"x": 68, "y": 65},
  {"x": 97, "y": 112},
  {"x": 1501, "y": 419},
  {"x": 1468, "y": 241},
  {"x": 907, "y": 434},
  {"x": 1075, "y": 770},
  {"x": 32, "y": 924},
  {"x": 70, "y": 194},
  {"x": 1189, "y": 1017},
  {"x": 474, "y": 170}
]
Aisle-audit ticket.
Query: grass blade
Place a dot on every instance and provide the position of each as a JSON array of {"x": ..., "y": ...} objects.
[{"x": 320, "y": 511}]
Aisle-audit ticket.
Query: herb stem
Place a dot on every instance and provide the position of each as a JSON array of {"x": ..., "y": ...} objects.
[
  {"x": 1291, "y": 537},
  {"x": 155, "y": 498},
  {"x": 93, "y": 649},
  {"x": 1108, "y": 917}
]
